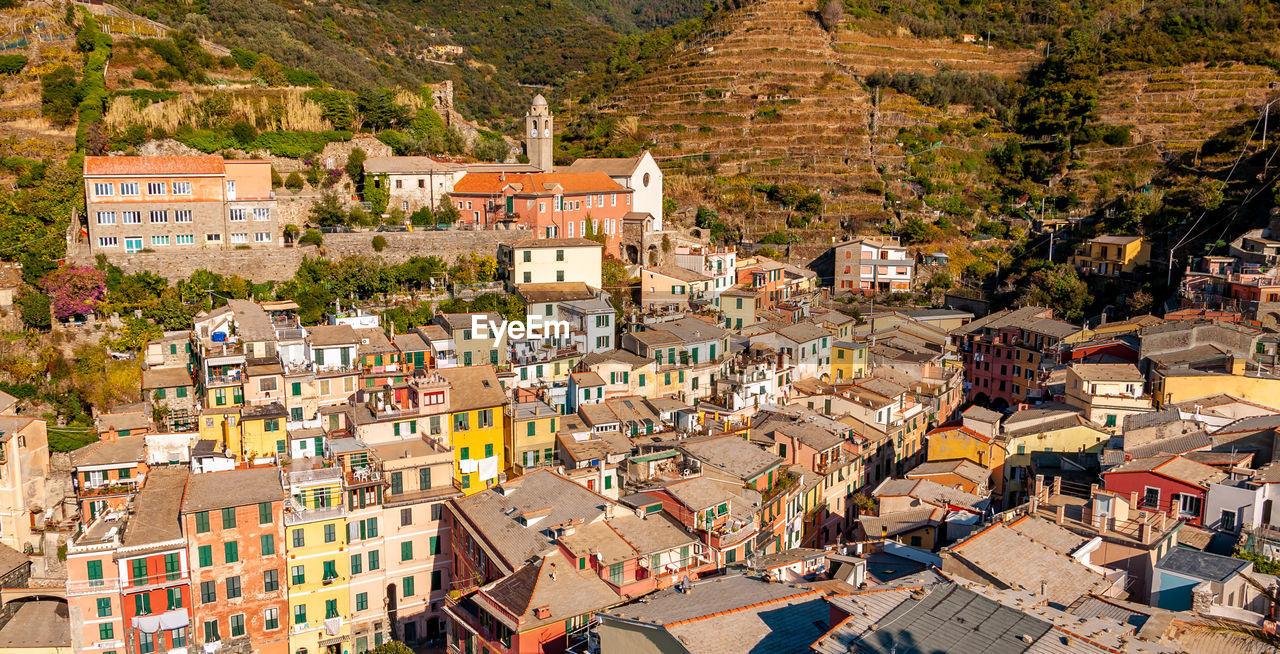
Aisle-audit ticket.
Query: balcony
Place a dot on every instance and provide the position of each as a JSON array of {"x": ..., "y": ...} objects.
[
  {"x": 290, "y": 333},
  {"x": 93, "y": 587},
  {"x": 392, "y": 500},
  {"x": 296, "y": 514},
  {"x": 155, "y": 580}
]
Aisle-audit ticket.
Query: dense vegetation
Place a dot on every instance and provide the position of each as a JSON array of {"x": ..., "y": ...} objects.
[{"x": 388, "y": 42}]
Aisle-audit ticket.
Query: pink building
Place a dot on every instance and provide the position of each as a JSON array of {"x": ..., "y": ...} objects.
[{"x": 553, "y": 205}]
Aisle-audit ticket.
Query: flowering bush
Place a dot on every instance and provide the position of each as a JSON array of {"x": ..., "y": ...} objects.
[{"x": 75, "y": 290}]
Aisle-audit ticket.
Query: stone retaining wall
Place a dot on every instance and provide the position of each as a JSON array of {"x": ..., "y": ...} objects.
[{"x": 261, "y": 264}]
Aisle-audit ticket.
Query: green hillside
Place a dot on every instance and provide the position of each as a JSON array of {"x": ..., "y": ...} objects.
[{"x": 505, "y": 45}]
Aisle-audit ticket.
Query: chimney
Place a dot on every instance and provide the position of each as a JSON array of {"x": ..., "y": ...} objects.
[
  {"x": 1061, "y": 516},
  {"x": 1238, "y": 366}
]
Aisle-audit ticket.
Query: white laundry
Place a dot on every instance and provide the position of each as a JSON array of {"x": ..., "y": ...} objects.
[
  {"x": 467, "y": 466},
  {"x": 488, "y": 468}
]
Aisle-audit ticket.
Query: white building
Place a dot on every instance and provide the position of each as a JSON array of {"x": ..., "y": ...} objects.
[
  {"x": 549, "y": 260},
  {"x": 873, "y": 265},
  {"x": 640, "y": 173},
  {"x": 719, "y": 265},
  {"x": 412, "y": 182},
  {"x": 593, "y": 322}
]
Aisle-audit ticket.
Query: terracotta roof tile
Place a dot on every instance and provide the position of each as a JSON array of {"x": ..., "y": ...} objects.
[
  {"x": 536, "y": 183},
  {"x": 198, "y": 165}
]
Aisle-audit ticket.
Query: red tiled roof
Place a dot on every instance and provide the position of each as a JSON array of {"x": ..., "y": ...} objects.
[
  {"x": 198, "y": 165},
  {"x": 536, "y": 183}
]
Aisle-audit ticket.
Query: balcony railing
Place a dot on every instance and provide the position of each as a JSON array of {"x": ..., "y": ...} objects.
[
  {"x": 93, "y": 586},
  {"x": 297, "y": 514},
  {"x": 155, "y": 579}
]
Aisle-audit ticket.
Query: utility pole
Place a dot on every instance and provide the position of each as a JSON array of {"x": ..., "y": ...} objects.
[{"x": 1051, "y": 233}]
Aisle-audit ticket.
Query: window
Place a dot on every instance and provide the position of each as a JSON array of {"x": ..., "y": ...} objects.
[
  {"x": 185, "y": 239},
  {"x": 106, "y": 631},
  {"x": 356, "y": 566},
  {"x": 231, "y": 551},
  {"x": 424, "y": 479},
  {"x": 299, "y": 614},
  {"x": 271, "y": 581},
  {"x": 330, "y": 533},
  {"x": 298, "y": 539},
  {"x": 108, "y": 242},
  {"x": 1227, "y": 523},
  {"x": 182, "y": 188},
  {"x": 213, "y": 238},
  {"x": 1151, "y": 498},
  {"x": 171, "y": 571},
  {"x": 229, "y": 515},
  {"x": 160, "y": 241},
  {"x": 437, "y": 580},
  {"x": 155, "y": 188},
  {"x": 237, "y": 625},
  {"x": 142, "y": 604},
  {"x": 159, "y": 216},
  {"x": 615, "y": 574},
  {"x": 262, "y": 237},
  {"x": 433, "y": 545},
  {"x": 237, "y": 215},
  {"x": 407, "y": 586},
  {"x": 271, "y": 619},
  {"x": 406, "y": 550},
  {"x": 262, "y": 213},
  {"x": 94, "y": 569},
  {"x": 104, "y": 607},
  {"x": 106, "y": 217},
  {"x": 205, "y": 554},
  {"x": 138, "y": 571},
  {"x": 330, "y": 608},
  {"x": 211, "y": 634},
  {"x": 373, "y": 560},
  {"x": 208, "y": 592},
  {"x": 233, "y": 587},
  {"x": 182, "y": 216},
  {"x": 264, "y": 517},
  {"x": 146, "y": 643},
  {"x": 362, "y": 601},
  {"x": 240, "y": 238},
  {"x": 1189, "y": 505},
  {"x": 330, "y": 570},
  {"x": 103, "y": 190},
  {"x": 298, "y": 575}
]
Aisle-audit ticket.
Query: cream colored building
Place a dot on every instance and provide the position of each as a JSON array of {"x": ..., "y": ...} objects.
[
  {"x": 544, "y": 260},
  {"x": 24, "y": 468},
  {"x": 1107, "y": 392}
]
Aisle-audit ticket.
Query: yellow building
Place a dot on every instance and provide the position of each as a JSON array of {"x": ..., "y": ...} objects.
[
  {"x": 1111, "y": 256},
  {"x": 849, "y": 360},
  {"x": 977, "y": 439},
  {"x": 530, "y": 436},
  {"x": 319, "y": 571},
  {"x": 1194, "y": 384},
  {"x": 247, "y": 433},
  {"x": 476, "y": 431},
  {"x": 1037, "y": 430}
]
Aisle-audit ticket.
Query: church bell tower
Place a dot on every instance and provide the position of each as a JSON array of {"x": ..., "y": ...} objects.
[{"x": 537, "y": 134}]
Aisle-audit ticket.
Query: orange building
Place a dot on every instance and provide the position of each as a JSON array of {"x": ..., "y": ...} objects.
[
  {"x": 553, "y": 205},
  {"x": 178, "y": 203},
  {"x": 234, "y": 525}
]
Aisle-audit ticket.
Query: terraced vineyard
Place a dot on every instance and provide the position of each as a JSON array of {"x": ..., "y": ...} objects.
[{"x": 768, "y": 95}]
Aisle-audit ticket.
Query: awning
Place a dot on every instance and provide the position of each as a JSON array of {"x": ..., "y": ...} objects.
[{"x": 656, "y": 456}]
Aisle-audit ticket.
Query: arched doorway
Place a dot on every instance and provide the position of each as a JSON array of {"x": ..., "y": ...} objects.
[
  {"x": 632, "y": 253},
  {"x": 653, "y": 255}
]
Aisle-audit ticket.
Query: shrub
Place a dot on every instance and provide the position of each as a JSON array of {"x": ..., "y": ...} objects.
[
  {"x": 276, "y": 180},
  {"x": 294, "y": 181},
  {"x": 35, "y": 310},
  {"x": 313, "y": 237},
  {"x": 244, "y": 58},
  {"x": 59, "y": 95},
  {"x": 378, "y": 194},
  {"x": 379, "y": 243},
  {"x": 244, "y": 132},
  {"x": 143, "y": 74},
  {"x": 355, "y": 165},
  {"x": 206, "y": 140},
  {"x": 12, "y": 63}
]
